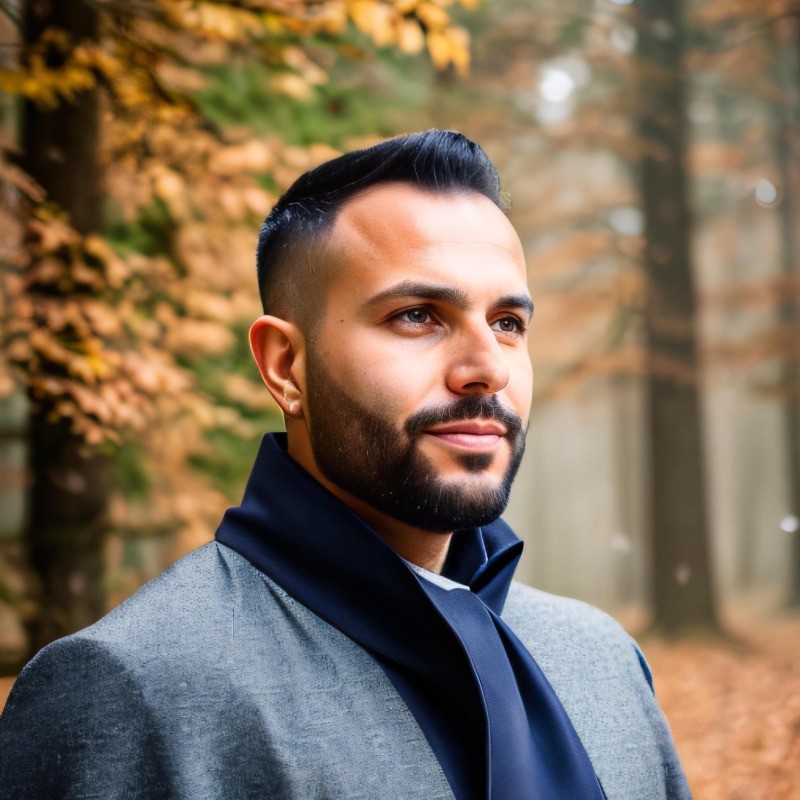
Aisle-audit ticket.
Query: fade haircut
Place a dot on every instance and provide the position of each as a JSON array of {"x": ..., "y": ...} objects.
[{"x": 288, "y": 255}]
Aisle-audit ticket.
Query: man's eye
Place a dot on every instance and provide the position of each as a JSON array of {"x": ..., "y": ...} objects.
[
  {"x": 419, "y": 316},
  {"x": 509, "y": 325}
]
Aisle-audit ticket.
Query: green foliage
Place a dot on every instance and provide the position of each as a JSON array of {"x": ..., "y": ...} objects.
[
  {"x": 231, "y": 452},
  {"x": 151, "y": 234},
  {"x": 131, "y": 475},
  {"x": 573, "y": 32},
  {"x": 358, "y": 100},
  {"x": 229, "y": 460}
]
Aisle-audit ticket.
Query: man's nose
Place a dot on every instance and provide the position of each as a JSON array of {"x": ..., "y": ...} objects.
[{"x": 478, "y": 364}]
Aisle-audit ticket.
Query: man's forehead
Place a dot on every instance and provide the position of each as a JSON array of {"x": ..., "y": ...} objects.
[{"x": 387, "y": 221}]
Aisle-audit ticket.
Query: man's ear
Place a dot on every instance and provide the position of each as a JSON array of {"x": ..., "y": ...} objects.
[{"x": 279, "y": 349}]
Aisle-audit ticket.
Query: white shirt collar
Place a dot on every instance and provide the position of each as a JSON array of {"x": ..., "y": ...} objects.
[{"x": 438, "y": 580}]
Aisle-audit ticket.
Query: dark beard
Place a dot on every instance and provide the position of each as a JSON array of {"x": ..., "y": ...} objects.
[{"x": 364, "y": 454}]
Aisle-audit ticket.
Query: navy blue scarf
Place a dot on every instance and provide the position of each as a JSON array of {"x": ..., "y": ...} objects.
[{"x": 489, "y": 714}]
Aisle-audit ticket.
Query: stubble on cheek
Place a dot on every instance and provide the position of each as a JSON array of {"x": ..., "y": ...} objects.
[{"x": 385, "y": 464}]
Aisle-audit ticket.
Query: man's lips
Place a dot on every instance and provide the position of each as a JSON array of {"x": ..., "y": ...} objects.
[{"x": 473, "y": 435}]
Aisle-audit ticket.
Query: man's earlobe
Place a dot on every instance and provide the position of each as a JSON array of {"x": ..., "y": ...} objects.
[
  {"x": 278, "y": 347},
  {"x": 291, "y": 394}
]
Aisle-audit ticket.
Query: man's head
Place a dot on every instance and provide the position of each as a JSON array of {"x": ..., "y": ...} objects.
[
  {"x": 394, "y": 331},
  {"x": 295, "y": 251}
]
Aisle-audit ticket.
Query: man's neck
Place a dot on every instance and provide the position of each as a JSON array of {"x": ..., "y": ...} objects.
[{"x": 426, "y": 549}]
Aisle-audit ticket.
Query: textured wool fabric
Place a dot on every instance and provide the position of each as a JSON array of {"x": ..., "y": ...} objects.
[
  {"x": 211, "y": 682},
  {"x": 278, "y": 675}
]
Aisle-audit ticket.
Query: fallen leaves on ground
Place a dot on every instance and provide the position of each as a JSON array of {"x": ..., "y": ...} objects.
[{"x": 734, "y": 708}]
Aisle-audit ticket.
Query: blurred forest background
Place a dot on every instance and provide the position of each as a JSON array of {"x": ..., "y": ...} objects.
[{"x": 651, "y": 150}]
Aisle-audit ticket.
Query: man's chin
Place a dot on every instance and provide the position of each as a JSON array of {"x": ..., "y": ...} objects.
[{"x": 472, "y": 486}]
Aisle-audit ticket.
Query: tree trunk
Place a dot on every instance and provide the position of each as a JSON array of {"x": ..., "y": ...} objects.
[
  {"x": 788, "y": 150},
  {"x": 66, "y": 527},
  {"x": 682, "y": 587}
]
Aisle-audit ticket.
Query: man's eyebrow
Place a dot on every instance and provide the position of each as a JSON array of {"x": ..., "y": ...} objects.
[
  {"x": 445, "y": 294},
  {"x": 425, "y": 291},
  {"x": 521, "y": 300}
]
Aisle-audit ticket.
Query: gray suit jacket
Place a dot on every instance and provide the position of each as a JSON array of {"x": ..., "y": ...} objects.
[{"x": 211, "y": 682}]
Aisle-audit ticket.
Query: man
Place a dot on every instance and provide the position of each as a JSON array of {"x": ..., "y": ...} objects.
[{"x": 353, "y": 631}]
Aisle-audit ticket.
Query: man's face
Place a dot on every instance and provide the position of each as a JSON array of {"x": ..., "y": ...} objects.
[{"x": 418, "y": 376}]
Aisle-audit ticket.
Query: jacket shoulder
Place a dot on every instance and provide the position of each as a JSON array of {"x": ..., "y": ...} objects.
[
  {"x": 75, "y": 718},
  {"x": 188, "y": 611},
  {"x": 80, "y": 706},
  {"x": 525, "y": 600},
  {"x": 194, "y": 584},
  {"x": 562, "y": 632},
  {"x": 187, "y": 615},
  {"x": 563, "y": 623}
]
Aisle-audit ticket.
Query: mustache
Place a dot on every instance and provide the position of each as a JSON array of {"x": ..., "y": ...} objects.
[{"x": 473, "y": 406}]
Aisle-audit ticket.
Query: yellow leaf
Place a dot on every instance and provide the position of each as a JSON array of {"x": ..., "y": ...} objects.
[
  {"x": 195, "y": 338},
  {"x": 292, "y": 85},
  {"x": 406, "y": 6},
  {"x": 439, "y": 49},
  {"x": 329, "y": 17},
  {"x": 170, "y": 187},
  {"x": 375, "y": 19},
  {"x": 7, "y": 383},
  {"x": 410, "y": 38},
  {"x": 449, "y": 47},
  {"x": 434, "y": 17},
  {"x": 251, "y": 157},
  {"x": 253, "y": 396},
  {"x": 20, "y": 180},
  {"x": 104, "y": 319}
]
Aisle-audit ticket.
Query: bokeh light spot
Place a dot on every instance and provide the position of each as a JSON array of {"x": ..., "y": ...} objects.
[
  {"x": 626, "y": 221},
  {"x": 555, "y": 84},
  {"x": 623, "y": 37},
  {"x": 790, "y": 523},
  {"x": 766, "y": 192}
]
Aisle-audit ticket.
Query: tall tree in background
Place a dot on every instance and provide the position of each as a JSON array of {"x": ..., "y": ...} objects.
[
  {"x": 753, "y": 53},
  {"x": 68, "y": 496},
  {"x": 788, "y": 153},
  {"x": 682, "y": 587},
  {"x": 566, "y": 77},
  {"x": 103, "y": 332}
]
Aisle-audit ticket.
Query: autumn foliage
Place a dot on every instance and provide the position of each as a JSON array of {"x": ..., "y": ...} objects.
[{"x": 104, "y": 330}]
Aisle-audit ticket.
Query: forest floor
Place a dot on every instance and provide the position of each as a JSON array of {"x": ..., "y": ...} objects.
[{"x": 733, "y": 705}]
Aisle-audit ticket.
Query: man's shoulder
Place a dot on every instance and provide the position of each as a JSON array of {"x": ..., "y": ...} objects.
[
  {"x": 530, "y": 606},
  {"x": 565, "y": 633},
  {"x": 197, "y": 622},
  {"x": 186, "y": 611},
  {"x": 195, "y": 591}
]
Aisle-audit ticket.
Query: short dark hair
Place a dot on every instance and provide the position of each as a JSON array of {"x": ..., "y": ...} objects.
[{"x": 445, "y": 162}]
